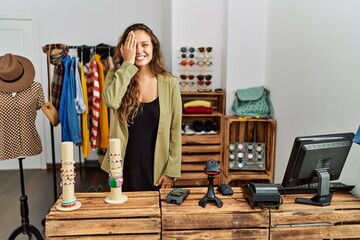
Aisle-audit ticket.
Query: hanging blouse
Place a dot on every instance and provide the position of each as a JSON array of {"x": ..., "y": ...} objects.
[
  {"x": 103, "y": 133},
  {"x": 79, "y": 99},
  {"x": 94, "y": 101},
  {"x": 18, "y": 134}
]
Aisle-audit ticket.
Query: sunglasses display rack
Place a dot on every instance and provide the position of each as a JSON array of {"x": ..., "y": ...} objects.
[{"x": 195, "y": 67}]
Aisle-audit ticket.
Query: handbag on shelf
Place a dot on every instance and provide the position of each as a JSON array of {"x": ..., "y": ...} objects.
[
  {"x": 48, "y": 108},
  {"x": 252, "y": 102}
]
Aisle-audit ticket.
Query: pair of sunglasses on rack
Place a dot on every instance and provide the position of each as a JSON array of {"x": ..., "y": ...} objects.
[
  {"x": 202, "y": 77},
  {"x": 204, "y": 63},
  {"x": 184, "y": 55},
  {"x": 184, "y": 83},
  {"x": 199, "y": 77},
  {"x": 205, "y": 49},
  {"x": 184, "y": 63},
  {"x": 204, "y": 83},
  {"x": 185, "y": 49}
]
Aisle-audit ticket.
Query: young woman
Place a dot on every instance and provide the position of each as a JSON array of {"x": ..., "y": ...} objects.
[{"x": 147, "y": 102}]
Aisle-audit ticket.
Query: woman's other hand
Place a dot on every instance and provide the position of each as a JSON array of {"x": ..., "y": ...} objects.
[
  {"x": 165, "y": 182},
  {"x": 128, "y": 50}
]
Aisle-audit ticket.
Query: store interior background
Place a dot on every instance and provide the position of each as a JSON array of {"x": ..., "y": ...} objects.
[{"x": 307, "y": 52}]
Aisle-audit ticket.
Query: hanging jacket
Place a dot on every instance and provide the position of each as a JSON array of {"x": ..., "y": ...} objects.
[{"x": 85, "y": 133}]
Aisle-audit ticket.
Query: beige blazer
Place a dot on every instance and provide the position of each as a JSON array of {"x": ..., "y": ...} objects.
[{"x": 167, "y": 159}]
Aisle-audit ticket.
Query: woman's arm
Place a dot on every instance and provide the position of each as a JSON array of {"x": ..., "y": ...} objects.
[{"x": 116, "y": 83}]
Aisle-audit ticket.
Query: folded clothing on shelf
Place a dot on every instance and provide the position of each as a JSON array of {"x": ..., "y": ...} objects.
[
  {"x": 198, "y": 103},
  {"x": 198, "y": 110}
]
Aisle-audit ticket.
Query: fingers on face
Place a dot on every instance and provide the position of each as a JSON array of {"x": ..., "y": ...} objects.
[{"x": 130, "y": 41}]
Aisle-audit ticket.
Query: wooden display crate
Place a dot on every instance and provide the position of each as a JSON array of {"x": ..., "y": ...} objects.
[
  {"x": 197, "y": 149},
  {"x": 246, "y": 130},
  {"x": 139, "y": 217},
  {"x": 235, "y": 220},
  {"x": 341, "y": 219}
]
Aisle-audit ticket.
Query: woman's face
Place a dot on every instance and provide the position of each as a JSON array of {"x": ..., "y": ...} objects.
[{"x": 144, "y": 48}]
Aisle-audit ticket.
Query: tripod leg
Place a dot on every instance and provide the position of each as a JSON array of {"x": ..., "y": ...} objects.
[
  {"x": 31, "y": 230},
  {"x": 15, "y": 233},
  {"x": 34, "y": 231}
]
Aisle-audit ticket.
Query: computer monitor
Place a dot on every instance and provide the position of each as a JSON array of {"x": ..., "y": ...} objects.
[{"x": 320, "y": 159}]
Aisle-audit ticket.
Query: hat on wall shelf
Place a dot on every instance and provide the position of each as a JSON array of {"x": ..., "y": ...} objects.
[{"x": 16, "y": 73}]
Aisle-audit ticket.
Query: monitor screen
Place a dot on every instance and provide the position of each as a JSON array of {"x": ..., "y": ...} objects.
[{"x": 320, "y": 159}]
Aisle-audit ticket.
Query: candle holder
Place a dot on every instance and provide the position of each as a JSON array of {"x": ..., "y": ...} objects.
[
  {"x": 67, "y": 173},
  {"x": 115, "y": 180}
]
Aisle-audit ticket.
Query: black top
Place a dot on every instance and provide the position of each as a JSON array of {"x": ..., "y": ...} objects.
[{"x": 138, "y": 169}]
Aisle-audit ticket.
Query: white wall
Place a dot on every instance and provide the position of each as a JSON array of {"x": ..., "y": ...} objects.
[
  {"x": 312, "y": 69},
  {"x": 246, "y": 42},
  {"x": 86, "y": 22}
]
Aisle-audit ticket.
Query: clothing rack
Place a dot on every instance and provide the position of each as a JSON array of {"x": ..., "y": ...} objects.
[{"x": 84, "y": 53}]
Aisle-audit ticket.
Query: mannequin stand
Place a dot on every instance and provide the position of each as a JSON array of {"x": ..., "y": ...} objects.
[
  {"x": 210, "y": 196},
  {"x": 25, "y": 227}
]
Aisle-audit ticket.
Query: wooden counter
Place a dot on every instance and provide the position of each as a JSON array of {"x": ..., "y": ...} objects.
[
  {"x": 146, "y": 215},
  {"x": 96, "y": 219},
  {"x": 298, "y": 221},
  {"x": 235, "y": 220}
]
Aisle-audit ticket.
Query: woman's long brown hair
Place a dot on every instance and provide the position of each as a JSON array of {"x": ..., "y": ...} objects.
[{"x": 130, "y": 106}]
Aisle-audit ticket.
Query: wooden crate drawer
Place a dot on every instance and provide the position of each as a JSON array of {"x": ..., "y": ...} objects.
[
  {"x": 201, "y": 139},
  {"x": 235, "y": 220},
  {"x": 341, "y": 219},
  {"x": 203, "y": 157},
  {"x": 201, "y": 148},
  {"x": 96, "y": 219}
]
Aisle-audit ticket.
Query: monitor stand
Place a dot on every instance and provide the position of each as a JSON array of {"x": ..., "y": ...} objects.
[{"x": 323, "y": 196}]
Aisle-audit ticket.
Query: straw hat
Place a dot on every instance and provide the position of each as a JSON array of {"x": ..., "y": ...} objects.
[{"x": 16, "y": 73}]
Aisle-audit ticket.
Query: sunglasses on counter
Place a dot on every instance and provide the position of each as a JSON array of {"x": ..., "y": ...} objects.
[
  {"x": 184, "y": 63},
  {"x": 204, "y": 90},
  {"x": 184, "y": 77},
  {"x": 184, "y": 83},
  {"x": 185, "y": 49},
  {"x": 205, "y": 49}
]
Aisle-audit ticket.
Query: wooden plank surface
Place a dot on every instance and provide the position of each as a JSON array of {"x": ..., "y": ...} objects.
[
  {"x": 217, "y": 234},
  {"x": 234, "y": 214},
  {"x": 138, "y": 216},
  {"x": 112, "y": 237},
  {"x": 341, "y": 219}
]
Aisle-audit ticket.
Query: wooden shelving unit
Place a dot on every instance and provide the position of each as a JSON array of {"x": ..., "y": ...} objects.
[
  {"x": 197, "y": 149},
  {"x": 245, "y": 130}
]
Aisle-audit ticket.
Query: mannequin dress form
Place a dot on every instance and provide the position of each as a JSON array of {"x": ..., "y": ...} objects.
[{"x": 20, "y": 98}]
